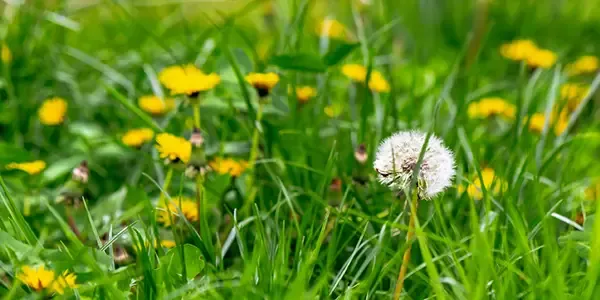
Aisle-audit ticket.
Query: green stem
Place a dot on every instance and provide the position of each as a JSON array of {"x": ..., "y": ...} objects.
[
  {"x": 165, "y": 187},
  {"x": 409, "y": 240},
  {"x": 199, "y": 197},
  {"x": 72, "y": 223},
  {"x": 197, "y": 114},
  {"x": 199, "y": 177},
  {"x": 10, "y": 90},
  {"x": 250, "y": 181}
]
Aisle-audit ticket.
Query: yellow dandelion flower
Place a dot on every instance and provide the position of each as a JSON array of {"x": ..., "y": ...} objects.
[
  {"x": 5, "y": 55},
  {"x": 518, "y": 49},
  {"x": 355, "y": 72},
  {"x": 377, "y": 83},
  {"x": 573, "y": 94},
  {"x": 304, "y": 93},
  {"x": 263, "y": 82},
  {"x": 583, "y": 65},
  {"x": 33, "y": 167},
  {"x": 491, "y": 182},
  {"x": 331, "y": 28},
  {"x": 334, "y": 110},
  {"x": 561, "y": 125},
  {"x": 155, "y": 105},
  {"x": 137, "y": 137},
  {"x": 168, "y": 215},
  {"x": 229, "y": 166},
  {"x": 541, "y": 58},
  {"x": 358, "y": 73},
  {"x": 537, "y": 121},
  {"x": 168, "y": 244},
  {"x": 188, "y": 80},
  {"x": 493, "y": 106},
  {"x": 173, "y": 148},
  {"x": 36, "y": 278},
  {"x": 53, "y": 111},
  {"x": 64, "y": 281}
]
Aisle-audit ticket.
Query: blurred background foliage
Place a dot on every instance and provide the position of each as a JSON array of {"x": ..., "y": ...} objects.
[{"x": 433, "y": 52}]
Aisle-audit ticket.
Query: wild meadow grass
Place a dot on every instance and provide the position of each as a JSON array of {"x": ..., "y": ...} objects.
[{"x": 225, "y": 149}]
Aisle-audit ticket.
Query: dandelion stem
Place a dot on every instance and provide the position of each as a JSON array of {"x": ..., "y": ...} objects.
[
  {"x": 72, "y": 223},
  {"x": 199, "y": 177},
  {"x": 251, "y": 190},
  {"x": 197, "y": 114},
  {"x": 165, "y": 186},
  {"x": 199, "y": 195},
  {"x": 409, "y": 238}
]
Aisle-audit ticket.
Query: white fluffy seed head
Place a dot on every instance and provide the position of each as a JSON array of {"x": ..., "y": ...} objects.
[{"x": 398, "y": 154}]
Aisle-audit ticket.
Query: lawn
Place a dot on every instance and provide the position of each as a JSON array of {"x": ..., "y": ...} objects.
[{"x": 299, "y": 149}]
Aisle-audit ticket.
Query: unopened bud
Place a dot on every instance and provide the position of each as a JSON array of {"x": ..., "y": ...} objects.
[
  {"x": 361, "y": 154},
  {"x": 191, "y": 171},
  {"x": 81, "y": 173},
  {"x": 336, "y": 185},
  {"x": 196, "y": 138},
  {"x": 120, "y": 254}
]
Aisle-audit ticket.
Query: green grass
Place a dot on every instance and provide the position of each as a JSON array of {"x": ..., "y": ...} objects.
[{"x": 300, "y": 238}]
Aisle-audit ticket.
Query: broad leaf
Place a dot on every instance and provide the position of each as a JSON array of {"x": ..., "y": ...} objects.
[
  {"x": 338, "y": 53},
  {"x": 299, "y": 62},
  {"x": 193, "y": 262}
]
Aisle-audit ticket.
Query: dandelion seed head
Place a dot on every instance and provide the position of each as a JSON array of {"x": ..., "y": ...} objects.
[{"x": 398, "y": 154}]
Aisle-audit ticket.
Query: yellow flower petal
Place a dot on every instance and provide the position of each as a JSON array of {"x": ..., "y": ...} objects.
[
  {"x": 174, "y": 148},
  {"x": 155, "y": 105},
  {"x": 331, "y": 28},
  {"x": 34, "y": 167},
  {"x": 355, "y": 72},
  {"x": 228, "y": 166},
  {"x": 573, "y": 94},
  {"x": 488, "y": 107},
  {"x": 64, "y": 281},
  {"x": 187, "y": 80},
  {"x": 36, "y": 278},
  {"x": 137, "y": 137},
  {"x": 491, "y": 182},
  {"x": 541, "y": 58},
  {"x": 168, "y": 215},
  {"x": 53, "y": 111},
  {"x": 263, "y": 82},
  {"x": 358, "y": 73},
  {"x": 168, "y": 243},
  {"x": 583, "y": 65},
  {"x": 559, "y": 124},
  {"x": 304, "y": 93},
  {"x": 518, "y": 49}
]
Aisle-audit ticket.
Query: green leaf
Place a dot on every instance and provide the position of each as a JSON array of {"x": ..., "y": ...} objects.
[
  {"x": 12, "y": 153},
  {"x": 87, "y": 130},
  {"x": 588, "y": 225},
  {"x": 132, "y": 108},
  {"x": 15, "y": 215},
  {"x": 193, "y": 261},
  {"x": 21, "y": 249},
  {"x": 299, "y": 62},
  {"x": 61, "y": 168},
  {"x": 337, "y": 54},
  {"x": 240, "y": 77}
]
